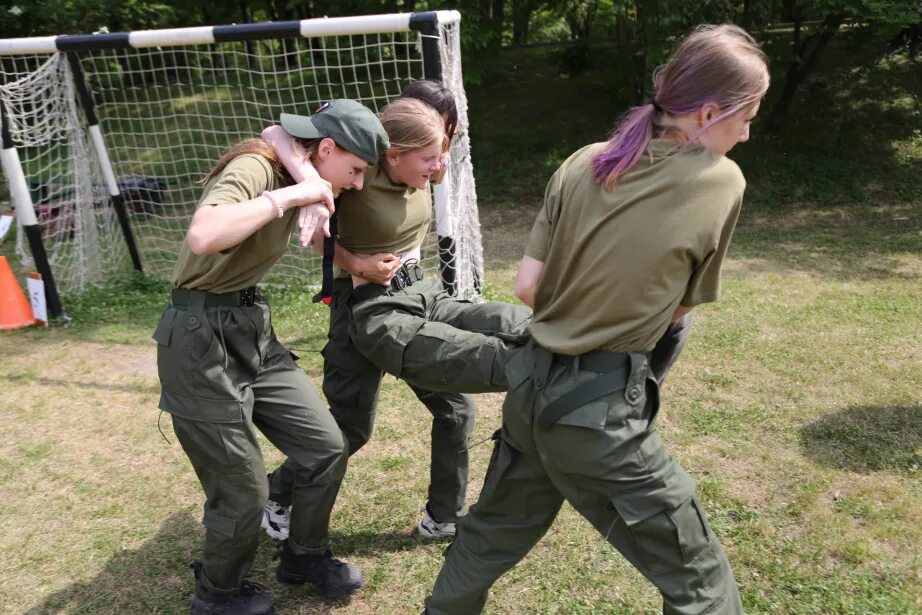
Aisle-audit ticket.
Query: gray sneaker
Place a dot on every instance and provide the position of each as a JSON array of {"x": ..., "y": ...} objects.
[
  {"x": 276, "y": 520},
  {"x": 430, "y": 528}
]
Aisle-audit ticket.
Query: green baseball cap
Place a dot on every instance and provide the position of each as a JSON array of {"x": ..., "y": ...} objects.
[{"x": 353, "y": 126}]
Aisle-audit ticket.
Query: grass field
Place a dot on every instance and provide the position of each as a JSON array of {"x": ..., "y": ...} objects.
[{"x": 797, "y": 405}]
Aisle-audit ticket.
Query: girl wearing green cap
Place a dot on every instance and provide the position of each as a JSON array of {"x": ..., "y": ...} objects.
[
  {"x": 380, "y": 230},
  {"x": 224, "y": 374}
]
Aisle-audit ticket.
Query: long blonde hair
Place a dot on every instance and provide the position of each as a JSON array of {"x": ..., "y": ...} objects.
[{"x": 412, "y": 125}]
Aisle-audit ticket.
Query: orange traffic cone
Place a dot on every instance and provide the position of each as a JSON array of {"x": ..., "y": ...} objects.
[{"x": 15, "y": 310}]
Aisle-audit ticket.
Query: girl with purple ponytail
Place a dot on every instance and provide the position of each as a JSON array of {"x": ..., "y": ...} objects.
[
  {"x": 631, "y": 237},
  {"x": 718, "y": 67}
]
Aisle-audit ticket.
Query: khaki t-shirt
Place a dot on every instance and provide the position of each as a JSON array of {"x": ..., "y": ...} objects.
[
  {"x": 617, "y": 264},
  {"x": 383, "y": 216},
  {"x": 243, "y": 265}
]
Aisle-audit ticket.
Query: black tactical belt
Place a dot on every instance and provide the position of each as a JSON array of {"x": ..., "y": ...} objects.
[
  {"x": 405, "y": 276},
  {"x": 187, "y": 296},
  {"x": 595, "y": 360}
]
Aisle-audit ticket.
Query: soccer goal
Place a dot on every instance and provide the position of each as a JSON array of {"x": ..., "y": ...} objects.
[{"x": 106, "y": 136}]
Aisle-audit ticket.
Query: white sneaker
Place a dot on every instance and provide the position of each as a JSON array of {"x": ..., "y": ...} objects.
[
  {"x": 276, "y": 520},
  {"x": 430, "y": 528}
]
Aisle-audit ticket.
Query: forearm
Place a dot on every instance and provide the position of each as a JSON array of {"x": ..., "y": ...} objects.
[
  {"x": 527, "y": 278},
  {"x": 219, "y": 227},
  {"x": 291, "y": 155},
  {"x": 526, "y": 296},
  {"x": 375, "y": 268}
]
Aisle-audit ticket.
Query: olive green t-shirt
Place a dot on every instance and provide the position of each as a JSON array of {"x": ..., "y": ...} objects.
[
  {"x": 243, "y": 265},
  {"x": 617, "y": 264},
  {"x": 383, "y": 216}
]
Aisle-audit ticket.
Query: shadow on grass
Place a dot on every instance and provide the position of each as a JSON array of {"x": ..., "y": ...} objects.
[
  {"x": 153, "y": 578},
  {"x": 90, "y": 385},
  {"x": 366, "y": 543},
  {"x": 867, "y": 439}
]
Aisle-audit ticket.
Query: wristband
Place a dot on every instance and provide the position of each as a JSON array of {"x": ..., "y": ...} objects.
[{"x": 272, "y": 200}]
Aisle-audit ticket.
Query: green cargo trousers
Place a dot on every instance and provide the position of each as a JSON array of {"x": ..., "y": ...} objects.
[
  {"x": 351, "y": 384},
  {"x": 223, "y": 375},
  {"x": 435, "y": 341},
  {"x": 605, "y": 458}
]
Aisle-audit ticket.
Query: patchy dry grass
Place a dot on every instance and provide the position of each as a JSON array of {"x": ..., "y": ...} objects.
[{"x": 797, "y": 406}]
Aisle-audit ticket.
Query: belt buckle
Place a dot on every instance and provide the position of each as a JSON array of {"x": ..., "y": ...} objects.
[
  {"x": 248, "y": 296},
  {"x": 401, "y": 279}
]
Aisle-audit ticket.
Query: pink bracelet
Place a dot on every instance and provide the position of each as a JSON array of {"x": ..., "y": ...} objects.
[{"x": 272, "y": 200}]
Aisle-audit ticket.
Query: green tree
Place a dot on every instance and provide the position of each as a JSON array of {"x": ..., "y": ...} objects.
[{"x": 816, "y": 22}]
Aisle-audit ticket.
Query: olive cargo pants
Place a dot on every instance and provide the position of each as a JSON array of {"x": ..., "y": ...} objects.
[
  {"x": 435, "y": 341},
  {"x": 223, "y": 375},
  {"x": 604, "y": 457},
  {"x": 351, "y": 384}
]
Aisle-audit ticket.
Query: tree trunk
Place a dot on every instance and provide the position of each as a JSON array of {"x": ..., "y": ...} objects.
[
  {"x": 521, "y": 15},
  {"x": 746, "y": 15},
  {"x": 622, "y": 30},
  {"x": 807, "y": 56}
]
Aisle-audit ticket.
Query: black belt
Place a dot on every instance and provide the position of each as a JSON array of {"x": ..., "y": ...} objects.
[
  {"x": 595, "y": 360},
  {"x": 405, "y": 276},
  {"x": 189, "y": 296},
  {"x": 615, "y": 375}
]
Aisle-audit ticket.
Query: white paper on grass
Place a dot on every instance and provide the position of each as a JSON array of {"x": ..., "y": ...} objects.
[
  {"x": 5, "y": 223},
  {"x": 37, "y": 297}
]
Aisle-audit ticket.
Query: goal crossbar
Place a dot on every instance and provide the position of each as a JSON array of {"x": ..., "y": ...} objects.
[{"x": 209, "y": 35}]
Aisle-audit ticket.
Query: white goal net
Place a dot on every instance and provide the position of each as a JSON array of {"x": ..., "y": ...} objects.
[{"x": 167, "y": 109}]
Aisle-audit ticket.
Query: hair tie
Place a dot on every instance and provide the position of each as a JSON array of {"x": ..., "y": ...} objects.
[{"x": 655, "y": 104}]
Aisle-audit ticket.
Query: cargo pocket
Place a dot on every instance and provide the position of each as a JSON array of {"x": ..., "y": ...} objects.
[
  {"x": 672, "y": 539},
  {"x": 441, "y": 358},
  {"x": 218, "y": 524},
  {"x": 164, "y": 330},
  {"x": 206, "y": 347},
  {"x": 196, "y": 408},
  {"x": 693, "y": 531},
  {"x": 592, "y": 415},
  {"x": 382, "y": 334},
  {"x": 519, "y": 368}
]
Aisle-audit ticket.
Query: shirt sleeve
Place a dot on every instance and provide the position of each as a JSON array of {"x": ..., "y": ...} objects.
[
  {"x": 244, "y": 178},
  {"x": 704, "y": 284},
  {"x": 540, "y": 240}
]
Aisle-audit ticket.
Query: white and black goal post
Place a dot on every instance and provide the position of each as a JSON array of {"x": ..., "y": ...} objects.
[{"x": 106, "y": 136}]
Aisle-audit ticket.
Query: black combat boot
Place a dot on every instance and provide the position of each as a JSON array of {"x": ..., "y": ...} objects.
[
  {"x": 333, "y": 578},
  {"x": 250, "y": 599}
]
